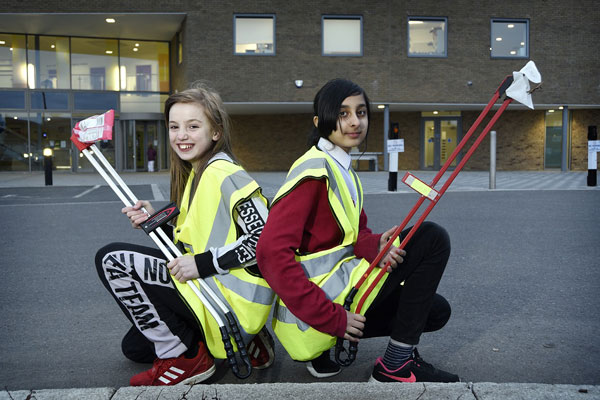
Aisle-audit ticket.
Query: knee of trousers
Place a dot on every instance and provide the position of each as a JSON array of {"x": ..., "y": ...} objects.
[
  {"x": 439, "y": 314},
  {"x": 437, "y": 234},
  {"x": 103, "y": 252}
]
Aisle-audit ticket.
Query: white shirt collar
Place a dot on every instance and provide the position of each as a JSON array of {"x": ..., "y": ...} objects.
[{"x": 336, "y": 152}]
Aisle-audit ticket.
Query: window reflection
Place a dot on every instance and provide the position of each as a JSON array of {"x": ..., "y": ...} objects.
[
  {"x": 144, "y": 66},
  {"x": 52, "y": 130},
  {"x": 15, "y": 154},
  {"x": 13, "y": 73},
  {"x": 342, "y": 36},
  {"x": 254, "y": 34},
  {"x": 427, "y": 37},
  {"x": 510, "y": 38},
  {"x": 94, "y": 64},
  {"x": 48, "y": 62}
]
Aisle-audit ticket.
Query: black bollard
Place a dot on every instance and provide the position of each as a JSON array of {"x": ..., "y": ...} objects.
[
  {"x": 592, "y": 178},
  {"x": 48, "y": 166}
]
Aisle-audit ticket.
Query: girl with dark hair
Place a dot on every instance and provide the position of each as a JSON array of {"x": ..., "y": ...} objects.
[
  {"x": 222, "y": 213},
  {"x": 316, "y": 245}
]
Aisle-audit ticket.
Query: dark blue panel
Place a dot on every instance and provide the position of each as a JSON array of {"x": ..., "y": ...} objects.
[
  {"x": 95, "y": 101},
  {"x": 50, "y": 101},
  {"x": 13, "y": 99}
]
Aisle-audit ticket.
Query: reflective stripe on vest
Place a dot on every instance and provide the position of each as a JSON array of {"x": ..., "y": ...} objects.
[
  {"x": 334, "y": 270},
  {"x": 209, "y": 222}
]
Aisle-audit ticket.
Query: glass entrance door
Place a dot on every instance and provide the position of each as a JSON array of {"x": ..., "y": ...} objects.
[
  {"x": 139, "y": 134},
  {"x": 440, "y": 137}
]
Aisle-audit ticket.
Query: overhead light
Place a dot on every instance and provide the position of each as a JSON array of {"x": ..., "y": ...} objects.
[
  {"x": 299, "y": 83},
  {"x": 561, "y": 108},
  {"x": 110, "y": 20},
  {"x": 513, "y": 52},
  {"x": 498, "y": 39},
  {"x": 135, "y": 49},
  {"x": 137, "y": 45},
  {"x": 522, "y": 43},
  {"x": 414, "y": 22},
  {"x": 48, "y": 119},
  {"x": 435, "y": 113},
  {"x": 15, "y": 117},
  {"x": 381, "y": 106},
  {"x": 510, "y": 26},
  {"x": 550, "y": 111},
  {"x": 2, "y": 42},
  {"x": 11, "y": 49},
  {"x": 108, "y": 52}
]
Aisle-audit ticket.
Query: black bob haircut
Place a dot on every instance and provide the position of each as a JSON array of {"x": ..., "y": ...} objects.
[{"x": 327, "y": 104}]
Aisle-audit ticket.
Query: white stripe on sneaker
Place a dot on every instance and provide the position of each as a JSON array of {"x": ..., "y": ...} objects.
[
  {"x": 177, "y": 370},
  {"x": 170, "y": 375},
  {"x": 164, "y": 380}
]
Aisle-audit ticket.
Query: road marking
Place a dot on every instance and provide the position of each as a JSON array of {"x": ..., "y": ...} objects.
[
  {"x": 158, "y": 196},
  {"x": 86, "y": 192}
]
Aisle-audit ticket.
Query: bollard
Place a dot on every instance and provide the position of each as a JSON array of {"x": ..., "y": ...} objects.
[
  {"x": 593, "y": 146},
  {"x": 48, "y": 166},
  {"x": 492, "y": 159}
]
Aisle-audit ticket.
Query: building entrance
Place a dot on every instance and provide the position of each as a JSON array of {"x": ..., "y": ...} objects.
[
  {"x": 439, "y": 138},
  {"x": 139, "y": 135}
]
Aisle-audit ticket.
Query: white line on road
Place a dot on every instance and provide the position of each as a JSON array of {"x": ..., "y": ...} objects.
[{"x": 86, "y": 192}]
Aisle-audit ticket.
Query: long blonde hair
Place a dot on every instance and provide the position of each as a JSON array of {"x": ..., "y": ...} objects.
[{"x": 218, "y": 118}]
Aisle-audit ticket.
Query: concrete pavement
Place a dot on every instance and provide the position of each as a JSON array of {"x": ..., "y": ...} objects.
[{"x": 373, "y": 183}]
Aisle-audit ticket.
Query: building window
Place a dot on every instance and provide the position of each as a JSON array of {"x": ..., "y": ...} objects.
[
  {"x": 427, "y": 37},
  {"x": 48, "y": 65},
  {"x": 342, "y": 35},
  {"x": 509, "y": 38},
  {"x": 94, "y": 64},
  {"x": 144, "y": 66},
  {"x": 254, "y": 34},
  {"x": 13, "y": 61}
]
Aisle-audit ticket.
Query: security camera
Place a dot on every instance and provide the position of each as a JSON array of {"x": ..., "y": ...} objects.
[{"x": 298, "y": 83}]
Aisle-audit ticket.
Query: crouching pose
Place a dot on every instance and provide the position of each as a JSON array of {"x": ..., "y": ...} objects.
[
  {"x": 316, "y": 245},
  {"x": 222, "y": 213}
]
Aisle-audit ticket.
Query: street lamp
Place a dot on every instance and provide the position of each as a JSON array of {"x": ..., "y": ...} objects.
[{"x": 48, "y": 165}]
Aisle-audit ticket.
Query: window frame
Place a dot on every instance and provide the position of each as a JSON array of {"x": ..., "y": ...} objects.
[
  {"x": 273, "y": 17},
  {"x": 492, "y": 39},
  {"x": 419, "y": 18},
  {"x": 343, "y": 17}
]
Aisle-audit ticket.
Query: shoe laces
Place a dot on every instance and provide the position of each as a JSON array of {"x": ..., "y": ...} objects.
[
  {"x": 419, "y": 360},
  {"x": 160, "y": 366}
]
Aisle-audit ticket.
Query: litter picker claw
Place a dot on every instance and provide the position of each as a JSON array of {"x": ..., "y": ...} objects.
[
  {"x": 152, "y": 227},
  {"x": 427, "y": 192}
]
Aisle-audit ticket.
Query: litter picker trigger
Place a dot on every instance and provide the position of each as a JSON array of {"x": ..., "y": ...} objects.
[{"x": 160, "y": 218}]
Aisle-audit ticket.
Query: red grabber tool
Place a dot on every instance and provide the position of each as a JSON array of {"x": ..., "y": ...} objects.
[
  {"x": 515, "y": 87},
  {"x": 99, "y": 127}
]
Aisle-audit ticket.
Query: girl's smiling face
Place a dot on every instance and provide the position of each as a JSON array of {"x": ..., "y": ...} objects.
[
  {"x": 190, "y": 132},
  {"x": 353, "y": 123}
]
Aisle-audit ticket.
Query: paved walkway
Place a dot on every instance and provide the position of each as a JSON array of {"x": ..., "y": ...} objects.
[{"x": 373, "y": 182}]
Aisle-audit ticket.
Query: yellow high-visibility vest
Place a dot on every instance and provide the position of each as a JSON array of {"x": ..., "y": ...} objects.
[
  {"x": 335, "y": 270},
  {"x": 209, "y": 222}
]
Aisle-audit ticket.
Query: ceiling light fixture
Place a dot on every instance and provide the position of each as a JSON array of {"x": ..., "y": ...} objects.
[{"x": 110, "y": 20}]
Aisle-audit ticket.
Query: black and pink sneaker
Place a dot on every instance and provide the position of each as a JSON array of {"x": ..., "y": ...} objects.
[{"x": 414, "y": 370}]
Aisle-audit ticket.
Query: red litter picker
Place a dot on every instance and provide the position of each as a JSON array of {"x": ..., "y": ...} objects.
[
  {"x": 515, "y": 87},
  {"x": 99, "y": 127}
]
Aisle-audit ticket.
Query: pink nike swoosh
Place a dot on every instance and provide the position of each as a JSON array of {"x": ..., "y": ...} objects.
[{"x": 411, "y": 378}]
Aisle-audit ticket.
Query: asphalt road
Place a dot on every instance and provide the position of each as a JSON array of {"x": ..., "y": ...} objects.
[{"x": 523, "y": 281}]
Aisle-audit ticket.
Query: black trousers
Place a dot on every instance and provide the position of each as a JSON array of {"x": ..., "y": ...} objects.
[
  {"x": 405, "y": 311},
  {"x": 138, "y": 279}
]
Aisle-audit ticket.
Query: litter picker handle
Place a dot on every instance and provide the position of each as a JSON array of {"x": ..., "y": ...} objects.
[
  {"x": 434, "y": 198},
  {"x": 152, "y": 233},
  {"x": 339, "y": 344}
]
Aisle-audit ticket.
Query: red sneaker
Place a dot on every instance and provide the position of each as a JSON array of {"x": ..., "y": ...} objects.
[
  {"x": 173, "y": 371},
  {"x": 261, "y": 349}
]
